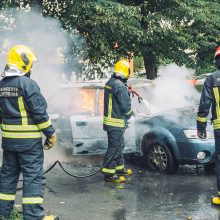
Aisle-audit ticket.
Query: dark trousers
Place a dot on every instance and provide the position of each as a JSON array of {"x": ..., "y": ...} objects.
[
  {"x": 114, "y": 137},
  {"x": 217, "y": 157},
  {"x": 30, "y": 164}
]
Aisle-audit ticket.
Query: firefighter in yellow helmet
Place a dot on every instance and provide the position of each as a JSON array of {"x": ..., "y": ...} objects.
[
  {"x": 210, "y": 99},
  {"x": 117, "y": 110},
  {"x": 23, "y": 119}
]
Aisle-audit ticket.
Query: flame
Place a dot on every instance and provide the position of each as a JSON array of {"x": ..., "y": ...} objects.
[{"x": 87, "y": 99}]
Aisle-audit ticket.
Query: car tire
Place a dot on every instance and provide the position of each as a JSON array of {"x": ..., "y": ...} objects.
[{"x": 158, "y": 157}]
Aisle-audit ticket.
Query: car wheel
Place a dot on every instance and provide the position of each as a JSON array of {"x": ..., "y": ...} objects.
[{"x": 158, "y": 157}]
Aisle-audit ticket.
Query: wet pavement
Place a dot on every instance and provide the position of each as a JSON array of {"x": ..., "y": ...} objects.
[{"x": 146, "y": 195}]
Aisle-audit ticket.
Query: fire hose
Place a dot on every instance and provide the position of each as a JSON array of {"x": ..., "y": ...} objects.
[
  {"x": 133, "y": 92},
  {"x": 98, "y": 170},
  {"x": 88, "y": 175}
]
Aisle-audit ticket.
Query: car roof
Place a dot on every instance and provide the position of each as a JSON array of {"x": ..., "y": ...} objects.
[{"x": 99, "y": 84}]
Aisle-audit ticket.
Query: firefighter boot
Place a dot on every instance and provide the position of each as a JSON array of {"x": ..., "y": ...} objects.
[
  {"x": 124, "y": 172},
  {"x": 216, "y": 200},
  {"x": 51, "y": 217},
  {"x": 115, "y": 179}
]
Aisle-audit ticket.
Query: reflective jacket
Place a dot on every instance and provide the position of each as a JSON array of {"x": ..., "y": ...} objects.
[
  {"x": 23, "y": 113},
  {"x": 210, "y": 97},
  {"x": 117, "y": 104}
]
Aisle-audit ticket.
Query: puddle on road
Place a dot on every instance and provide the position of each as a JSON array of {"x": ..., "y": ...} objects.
[{"x": 152, "y": 196}]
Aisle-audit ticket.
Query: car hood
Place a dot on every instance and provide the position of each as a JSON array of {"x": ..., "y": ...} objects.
[{"x": 183, "y": 117}]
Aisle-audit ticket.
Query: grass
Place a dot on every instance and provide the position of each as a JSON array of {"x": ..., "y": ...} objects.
[{"x": 15, "y": 215}]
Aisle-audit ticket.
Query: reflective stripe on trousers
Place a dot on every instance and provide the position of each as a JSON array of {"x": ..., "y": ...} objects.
[
  {"x": 201, "y": 119},
  {"x": 120, "y": 167},
  {"x": 32, "y": 200},
  {"x": 7, "y": 197}
]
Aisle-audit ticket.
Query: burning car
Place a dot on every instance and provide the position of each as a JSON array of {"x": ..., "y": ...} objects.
[{"x": 163, "y": 140}]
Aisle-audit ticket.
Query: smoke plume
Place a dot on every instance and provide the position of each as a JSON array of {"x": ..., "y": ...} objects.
[
  {"x": 49, "y": 41},
  {"x": 172, "y": 88}
]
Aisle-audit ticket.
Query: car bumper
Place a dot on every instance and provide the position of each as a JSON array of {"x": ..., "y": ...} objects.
[{"x": 188, "y": 151}]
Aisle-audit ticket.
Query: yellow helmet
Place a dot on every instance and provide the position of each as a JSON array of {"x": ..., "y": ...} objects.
[
  {"x": 22, "y": 57},
  {"x": 122, "y": 68}
]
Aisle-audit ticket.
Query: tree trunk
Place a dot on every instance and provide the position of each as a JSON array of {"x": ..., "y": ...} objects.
[
  {"x": 149, "y": 67},
  {"x": 36, "y": 4}
]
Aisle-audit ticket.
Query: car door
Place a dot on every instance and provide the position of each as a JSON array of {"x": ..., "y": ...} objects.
[
  {"x": 129, "y": 135},
  {"x": 87, "y": 130},
  {"x": 87, "y": 126}
]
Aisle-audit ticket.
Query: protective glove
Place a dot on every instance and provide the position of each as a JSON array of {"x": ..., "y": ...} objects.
[
  {"x": 201, "y": 134},
  {"x": 50, "y": 142}
]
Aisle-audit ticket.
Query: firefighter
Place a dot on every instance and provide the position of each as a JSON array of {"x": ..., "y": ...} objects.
[
  {"x": 23, "y": 118},
  {"x": 117, "y": 110},
  {"x": 210, "y": 98}
]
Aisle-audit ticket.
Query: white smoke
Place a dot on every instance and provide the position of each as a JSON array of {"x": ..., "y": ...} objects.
[
  {"x": 172, "y": 89},
  {"x": 49, "y": 41}
]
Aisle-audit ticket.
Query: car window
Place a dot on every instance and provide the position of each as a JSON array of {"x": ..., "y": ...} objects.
[
  {"x": 86, "y": 101},
  {"x": 70, "y": 101}
]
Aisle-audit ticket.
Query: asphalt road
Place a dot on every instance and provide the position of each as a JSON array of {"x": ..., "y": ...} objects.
[{"x": 152, "y": 196}]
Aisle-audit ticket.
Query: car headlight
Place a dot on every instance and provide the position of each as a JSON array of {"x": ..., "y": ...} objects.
[{"x": 192, "y": 134}]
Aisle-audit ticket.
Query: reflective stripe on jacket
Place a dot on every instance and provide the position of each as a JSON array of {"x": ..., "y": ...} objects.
[
  {"x": 23, "y": 111},
  {"x": 210, "y": 98},
  {"x": 117, "y": 104}
]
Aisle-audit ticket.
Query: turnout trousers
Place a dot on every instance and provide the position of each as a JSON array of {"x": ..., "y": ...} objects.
[
  {"x": 217, "y": 156},
  {"x": 117, "y": 162},
  {"x": 30, "y": 164}
]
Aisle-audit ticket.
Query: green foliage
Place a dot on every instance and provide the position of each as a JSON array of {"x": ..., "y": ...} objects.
[
  {"x": 138, "y": 63},
  {"x": 185, "y": 32},
  {"x": 15, "y": 215},
  {"x": 102, "y": 23},
  {"x": 205, "y": 69}
]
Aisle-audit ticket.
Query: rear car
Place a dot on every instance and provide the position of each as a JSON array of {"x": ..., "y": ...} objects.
[{"x": 163, "y": 140}]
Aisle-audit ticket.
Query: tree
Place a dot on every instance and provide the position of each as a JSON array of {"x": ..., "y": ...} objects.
[
  {"x": 102, "y": 24},
  {"x": 184, "y": 32}
]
